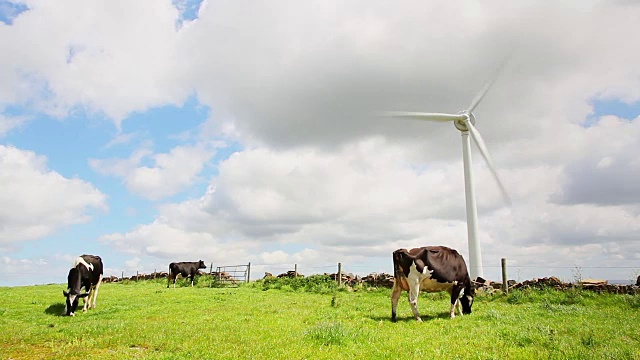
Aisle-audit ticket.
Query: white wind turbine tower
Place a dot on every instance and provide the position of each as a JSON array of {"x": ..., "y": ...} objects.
[{"x": 465, "y": 121}]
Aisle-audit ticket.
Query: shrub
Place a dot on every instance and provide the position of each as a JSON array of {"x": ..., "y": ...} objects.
[
  {"x": 633, "y": 301},
  {"x": 321, "y": 284}
]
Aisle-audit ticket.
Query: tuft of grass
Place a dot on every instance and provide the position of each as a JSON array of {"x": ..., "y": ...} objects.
[
  {"x": 518, "y": 297},
  {"x": 530, "y": 336},
  {"x": 588, "y": 340},
  {"x": 571, "y": 297},
  {"x": 329, "y": 334},
  {"x": 492, "y": 315},
  {"x": 633, "y": 301},
  {"x": 334, "y": 300}
]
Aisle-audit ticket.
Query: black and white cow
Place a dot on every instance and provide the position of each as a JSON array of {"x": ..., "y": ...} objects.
[
  {"x": 431, "y": 269},
  {"x": 186, "y": 269},
  {"x": 86, "y": 272}
]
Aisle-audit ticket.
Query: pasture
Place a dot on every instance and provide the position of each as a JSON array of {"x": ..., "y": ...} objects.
[{"x": 294, "y": 320}]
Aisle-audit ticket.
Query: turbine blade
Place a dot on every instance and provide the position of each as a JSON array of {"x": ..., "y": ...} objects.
[
  {"x": 485, "y": 153},
  {"x": 488, "y": 85},
  {"x": 480, "y": 95},
  {"x": 425, "y": 116}
]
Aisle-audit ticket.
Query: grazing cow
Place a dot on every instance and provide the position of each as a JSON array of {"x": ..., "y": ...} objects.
[
  {"x": 432, "y": 269},
  {"x": 186, "y": 269},
  {"x": 86, "y": 272}
]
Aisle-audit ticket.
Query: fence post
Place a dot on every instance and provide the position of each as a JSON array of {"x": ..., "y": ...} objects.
[
  {"x": 248, "y": 271},
  {"x": 295, "y": 270},
  {"x": 211, "y": 274},
  {"x": 155, "y": 271},
  {"x": 122, "y": 277},
  {"x": 136, "y": 275},
  {"x": 505, "y": 285},
  {"x": 339, "y": 274}
]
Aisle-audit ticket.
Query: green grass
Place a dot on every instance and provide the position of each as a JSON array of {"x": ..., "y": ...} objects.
[{"x": 312, "y": 320}]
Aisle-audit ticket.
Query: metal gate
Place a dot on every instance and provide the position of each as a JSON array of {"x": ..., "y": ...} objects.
[{"x": 231, "y": 275}]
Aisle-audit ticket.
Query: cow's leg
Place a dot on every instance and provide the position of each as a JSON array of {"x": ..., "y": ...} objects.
[
  {"x": 414, "y": 291},
  {"x": 94, "y": 298},
  {"x": 455, "y": 301},
  {"x": 85, "y": 301},
  {"x": 395, "y": 296},
  {"x": 452, "y": 310},
  {"x": 65, "y": 307},
  {"x": 192, "y": 280}
]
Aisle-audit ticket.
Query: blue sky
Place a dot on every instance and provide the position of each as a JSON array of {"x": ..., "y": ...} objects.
[
  {"x": 10, "y": 10},
  {"x": 616, "y": 107},
  {"x": 186, "y": 130},
  {"x": 69, "y": 143}
]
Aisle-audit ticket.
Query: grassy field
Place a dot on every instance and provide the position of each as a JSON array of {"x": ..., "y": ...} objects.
[{"x": 147, "y": 320}]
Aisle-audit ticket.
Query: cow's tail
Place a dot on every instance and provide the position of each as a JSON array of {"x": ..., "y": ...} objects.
[{"x": 397, "y": 270}]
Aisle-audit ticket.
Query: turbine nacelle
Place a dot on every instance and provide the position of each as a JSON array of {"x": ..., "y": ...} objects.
[{"x": 462, "y": 123}]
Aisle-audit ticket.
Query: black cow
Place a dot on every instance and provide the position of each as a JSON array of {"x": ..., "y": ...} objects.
[
  {"x": 186, "y": 269},
  {"x": 86, "y": 272},
  {"x": 432, "y": 269}
]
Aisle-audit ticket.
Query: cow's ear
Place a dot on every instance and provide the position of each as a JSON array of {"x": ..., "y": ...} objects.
[{"x": 65, "y": 293}]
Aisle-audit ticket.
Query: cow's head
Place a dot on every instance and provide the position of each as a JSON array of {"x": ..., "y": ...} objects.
[
  {"x": 402, "y": 262},
  {"x": 73, "y": 295},
  {"x": 466, "y": 300},
  {"x": 71, "y": 304},
  {"x": 201, "y": 265}
]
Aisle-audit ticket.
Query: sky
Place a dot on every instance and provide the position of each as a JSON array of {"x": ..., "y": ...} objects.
[{"x": 148, "y": 132}]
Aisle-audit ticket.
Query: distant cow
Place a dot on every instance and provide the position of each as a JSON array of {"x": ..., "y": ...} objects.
[
  {"x": 86, "y": 272},
  {"x": 186, "y": 269},
  {"x": 432, "y": 269}
]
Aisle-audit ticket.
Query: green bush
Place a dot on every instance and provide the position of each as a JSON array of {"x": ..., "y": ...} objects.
[
  {"x": 321, "y": 284},
  {"x": 633, "y": 301}
]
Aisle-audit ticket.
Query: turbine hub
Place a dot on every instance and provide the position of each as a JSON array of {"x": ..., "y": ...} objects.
[{"x": 460, "y": 124}]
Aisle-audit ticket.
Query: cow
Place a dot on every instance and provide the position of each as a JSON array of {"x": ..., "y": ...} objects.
[
  {"x": 186, "y": 269},
  {"x": 432, "y": 269},
  {"x": 86, "y": 272}
]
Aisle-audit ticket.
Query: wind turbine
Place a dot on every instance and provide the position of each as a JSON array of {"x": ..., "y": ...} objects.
[{"x": 465, "y": 122}]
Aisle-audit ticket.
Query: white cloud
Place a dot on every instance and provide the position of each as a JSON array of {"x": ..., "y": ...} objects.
[
  {"x": 113, "y": 58},
  {"x": 37, "y": 201},
  {"x": 121, "y": 138},
  {"x": 275, "y": 257},
  {"x": 8, "y": 123},
  {"x": 604, "y": 166},
  {"x": 22, "y": 271},
  {"x": 170, "y": 174},
  {"x": 133, "y": 263}
]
